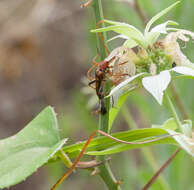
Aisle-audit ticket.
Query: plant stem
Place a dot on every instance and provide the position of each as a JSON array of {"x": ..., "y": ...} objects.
[
  {"x": 178, "y": 101},
  {"x": 173, "y": 111},
  {"x": 98, "y": 12},
  {"x": 147, "y": 153},
  {"x": 150, "y": 182},
  {"x": 104, "y": 169}
]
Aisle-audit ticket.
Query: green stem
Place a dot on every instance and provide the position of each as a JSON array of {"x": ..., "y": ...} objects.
[
  {"x": 98, "y": 12},
  {"x": 147, "y": 153},
  {"x": 104, "y": 169},
  {"x": 173, "y": 111},
  {"x": 178, "y": 101}
]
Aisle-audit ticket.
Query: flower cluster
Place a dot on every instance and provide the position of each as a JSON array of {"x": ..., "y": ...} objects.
[
  {"x": 147, "y": 60},
  {"x": 155, "y": 61}
]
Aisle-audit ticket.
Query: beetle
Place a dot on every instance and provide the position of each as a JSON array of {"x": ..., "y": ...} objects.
[{"x": 103, "y": 68}]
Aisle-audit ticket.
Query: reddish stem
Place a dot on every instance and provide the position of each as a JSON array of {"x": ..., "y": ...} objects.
[{"x": 151, "y": 181}]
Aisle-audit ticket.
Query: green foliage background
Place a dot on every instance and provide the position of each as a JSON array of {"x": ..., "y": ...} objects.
[
  {"x": 135, "y": 167},
  {"x": 130, "y": 166}
]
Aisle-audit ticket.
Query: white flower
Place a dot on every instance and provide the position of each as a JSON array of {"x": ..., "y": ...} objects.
[
  {"x": 160, "y": 58},
  {"x": 133, "y": 36}
]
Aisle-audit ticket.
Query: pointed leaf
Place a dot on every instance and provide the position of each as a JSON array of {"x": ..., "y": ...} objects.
[
  {"x": 113, "y": 22},
  {"x": 118, "y": 36},
  {"x": 126, "y": 30},
  {"x": 104, "y": 145},
  {"x": 114, "y": 110},
  {"x": 168, "y": 124},
  {"x": 156, "y": 85},
  {"x": 160, "y": 14}
]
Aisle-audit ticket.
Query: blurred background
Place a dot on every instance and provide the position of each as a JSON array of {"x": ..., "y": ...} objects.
[{"x": 45, "y": 51}]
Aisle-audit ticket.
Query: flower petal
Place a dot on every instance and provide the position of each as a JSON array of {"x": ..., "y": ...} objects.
[
  {"x": 184, "y": 70},
  {"x": 162, "y": 28},
  {"x": 172, "y": 47},
  {"x": 185, "y": 142},
  {"x": 157, "y": 84},
  {"x": 121, "y": 87},
  {"x": 155, "y": 32}
]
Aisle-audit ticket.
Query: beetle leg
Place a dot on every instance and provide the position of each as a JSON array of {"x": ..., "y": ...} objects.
[
  {"x": 95, "y": 64},
  {"x": 122, "y": 63},
  {"x": 92, "y": 82},
  {"x": 86, "y": 4}
]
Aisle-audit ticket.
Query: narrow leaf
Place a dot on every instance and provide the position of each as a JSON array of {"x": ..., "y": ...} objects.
[
  {"x": 128, "y": 43},
  {"x": 168, "y": 124},
  {"x": 105, "y": 143},
  {"x": 126, "y": 30},
  {"x": 113, "y": 22},
  {"x": 114, "y": 110},
  {"x": 160, "y": 14}
]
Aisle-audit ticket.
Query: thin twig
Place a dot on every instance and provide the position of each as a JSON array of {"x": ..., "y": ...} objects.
[{"x": 151, "y": 181}]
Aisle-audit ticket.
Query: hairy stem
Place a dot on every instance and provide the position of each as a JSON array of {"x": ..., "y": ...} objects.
[{"x": 104, "y": 169}]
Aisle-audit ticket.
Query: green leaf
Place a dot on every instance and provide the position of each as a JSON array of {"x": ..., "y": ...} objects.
[
  {"x": 168, "y": 124},
  {"x": 126, "y": 30},
  {"x": 104, "y": 145},
  {"x": 160, "y": 14},
  {"x": 113, "y": 22},
  {"x": 157, "y": 84},
  {"x": 118, "y": 36},
  {"x": 115, "y": 110},
  {"x": 22, "y": 154},
  {"x": 130, "y": 43}
]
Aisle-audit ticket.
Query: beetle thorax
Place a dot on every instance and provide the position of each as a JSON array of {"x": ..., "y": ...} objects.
[{"x": 104, "y": 65}]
